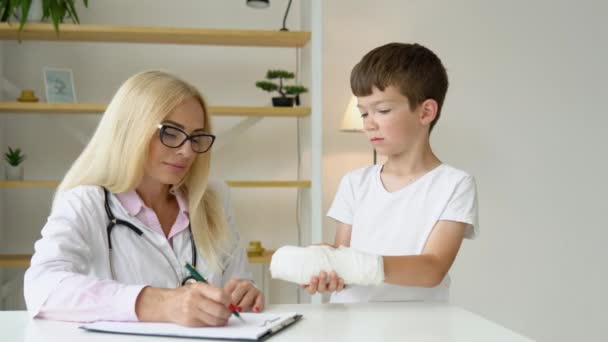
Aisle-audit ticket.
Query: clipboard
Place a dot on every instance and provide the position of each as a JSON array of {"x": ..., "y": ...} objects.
[{"x": 257, "y": 327}]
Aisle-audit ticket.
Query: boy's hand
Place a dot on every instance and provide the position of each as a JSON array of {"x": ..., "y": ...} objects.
[{"x": 324, "y": 283}]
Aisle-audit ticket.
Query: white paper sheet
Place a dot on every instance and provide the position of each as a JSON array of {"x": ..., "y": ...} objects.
[{"x": 254, "y": 327}]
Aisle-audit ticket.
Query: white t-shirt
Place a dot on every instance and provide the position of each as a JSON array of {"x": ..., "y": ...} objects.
[{"x": 399, "y": 223}]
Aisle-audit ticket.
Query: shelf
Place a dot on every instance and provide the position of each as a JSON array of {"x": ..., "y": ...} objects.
[
  {"x": 260, "y": 111},
  {"x": 234, "y": 184},
  {"x": 29, "y": 184},
  {"x": 51, "y": 108},
  {"x": 268, "y": 184},
  {"x": 98, "y": 108},
  {"x": 23, "y": 260},
  {"x": 154, "y": 35},
  {"x": 15, "y": 260}
]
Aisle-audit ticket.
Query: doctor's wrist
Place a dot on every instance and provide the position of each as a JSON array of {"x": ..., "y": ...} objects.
[{"x": 150, "y": 304}]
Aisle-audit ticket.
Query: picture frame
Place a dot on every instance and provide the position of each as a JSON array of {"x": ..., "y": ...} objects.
[{"x": 59, "y": 85}]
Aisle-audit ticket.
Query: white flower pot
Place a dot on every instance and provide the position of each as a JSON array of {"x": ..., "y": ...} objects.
[{"x": 14, "y": 172}]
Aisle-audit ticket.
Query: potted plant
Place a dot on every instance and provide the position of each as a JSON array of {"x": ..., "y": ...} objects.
[
  {"x": 14, "y": 169},
  {"x": 57, "y": 10},
  {"x": 281, "y": 88}
]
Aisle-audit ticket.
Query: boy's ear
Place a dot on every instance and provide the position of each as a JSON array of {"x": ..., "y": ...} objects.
[{"x": 428, "y": 111}]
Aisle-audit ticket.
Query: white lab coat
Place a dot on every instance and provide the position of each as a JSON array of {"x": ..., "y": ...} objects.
[{"x": 74, "y": 241}]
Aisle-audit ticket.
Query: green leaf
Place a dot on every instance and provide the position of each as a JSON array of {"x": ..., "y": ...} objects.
[
  {"x": 72, "y": 11},
  {"x": 266, "y": 86},
  {"x": 295, "y": 89},
  {"x": 56, "y": 14},
  {"x": 46, "y": 9},
  {"x": 274, "y": 74},
  {"x": 11, "y": 5},
  {"x": 14, "y": 157},
  {"x": 6, "y": 11},
  {"x": 25, "y": 10}
]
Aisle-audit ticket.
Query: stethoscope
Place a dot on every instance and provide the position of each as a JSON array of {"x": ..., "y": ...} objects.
[{"x": 115, "y": 221}]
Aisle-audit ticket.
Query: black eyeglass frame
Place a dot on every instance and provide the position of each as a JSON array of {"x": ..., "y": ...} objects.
[{"x": 163, "y": 127}]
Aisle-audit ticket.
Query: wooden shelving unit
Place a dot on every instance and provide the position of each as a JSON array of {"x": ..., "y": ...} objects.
[
  {"x": 181, "y": 36},
  {"x": 98, "y": 108},
  {"x": 233, "y": 184},
  {"x": 155, "y": 35},
  {"x": 23, "y": 260}
]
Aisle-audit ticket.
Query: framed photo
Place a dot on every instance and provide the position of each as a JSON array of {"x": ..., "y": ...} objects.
[{"x": 59, "y": 85}]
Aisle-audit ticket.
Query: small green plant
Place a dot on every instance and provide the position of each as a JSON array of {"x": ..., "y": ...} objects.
[
  {"x": 56, "y": 10},
  {"x": 14, "y": 157},
  {"x": 281, "y": 88}
]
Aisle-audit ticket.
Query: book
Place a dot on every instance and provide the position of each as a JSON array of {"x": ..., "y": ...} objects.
[{"x": 257, "y": 326}]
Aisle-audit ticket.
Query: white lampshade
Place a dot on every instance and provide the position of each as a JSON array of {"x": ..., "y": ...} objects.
[{"x": 352, "y": 121}]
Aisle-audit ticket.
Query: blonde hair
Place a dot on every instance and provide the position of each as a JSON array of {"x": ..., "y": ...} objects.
[{"x": 118, "y": 150}]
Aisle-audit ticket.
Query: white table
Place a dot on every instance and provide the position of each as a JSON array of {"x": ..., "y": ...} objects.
[{"x": 413, "y": 321}]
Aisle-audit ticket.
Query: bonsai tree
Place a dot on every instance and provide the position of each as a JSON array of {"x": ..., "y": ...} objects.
[
  {"x": 14, "y": 157},
  {"x": 56, "y": 10},
  {"x": 296, "y": 90},
  {"x": 281, "y": 88}
]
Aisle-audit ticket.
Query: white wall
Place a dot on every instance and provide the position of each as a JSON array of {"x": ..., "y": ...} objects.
[
  {"x": 526, "y": 115},
  {"x": 2, "y": 148},
  {"x": 226, "y": 76}
]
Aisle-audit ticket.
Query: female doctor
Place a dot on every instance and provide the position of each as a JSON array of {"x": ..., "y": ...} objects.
[{"x": 133, "y": 208}]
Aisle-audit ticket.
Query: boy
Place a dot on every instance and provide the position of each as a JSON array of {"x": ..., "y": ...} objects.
[{"x": 411, "y": 213}]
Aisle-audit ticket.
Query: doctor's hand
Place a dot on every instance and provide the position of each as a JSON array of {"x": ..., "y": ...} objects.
[
  {"x": 244, "y": 295},
  {"x": 324, "y": 283},
  {"x": 195, "y": 305}
]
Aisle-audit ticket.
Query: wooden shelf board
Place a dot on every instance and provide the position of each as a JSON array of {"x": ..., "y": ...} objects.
[
  {"x": 259, "y": 111},
  {"x": 23, "y": 260},
  {"x": 234, "y": 184},
  {"x": 269, "y": 184},
  {"x": 154, "y": 35},
  {"x": 98, "y": 108},
  {"x": 51, "y": 108},
  {"x": 28, "y": 184},
  {"x": 15, "y": 260}
]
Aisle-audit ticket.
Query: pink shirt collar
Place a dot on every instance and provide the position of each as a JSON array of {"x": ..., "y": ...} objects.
[{"x": 136, "y": 207}]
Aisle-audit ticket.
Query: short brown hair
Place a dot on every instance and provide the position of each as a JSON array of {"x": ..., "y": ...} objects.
[{"x": 415, "y": 70}]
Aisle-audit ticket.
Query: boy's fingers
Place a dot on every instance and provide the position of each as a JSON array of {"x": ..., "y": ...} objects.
[
  {"x": 322, "y": 286},
  {"x": 312, "y": 287},
  {"x": 340, "y": 284},
  {"x": 333, "y": 282}
]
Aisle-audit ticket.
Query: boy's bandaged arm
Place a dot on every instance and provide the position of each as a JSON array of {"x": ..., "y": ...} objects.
[{"x": 299, "y": 264}]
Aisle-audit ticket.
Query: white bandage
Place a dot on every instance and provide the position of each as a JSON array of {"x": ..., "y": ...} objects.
[{"x": 299, "y": 264}]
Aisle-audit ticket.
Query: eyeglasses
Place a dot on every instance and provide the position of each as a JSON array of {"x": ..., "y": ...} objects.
[{"x": 174, "y": 137}]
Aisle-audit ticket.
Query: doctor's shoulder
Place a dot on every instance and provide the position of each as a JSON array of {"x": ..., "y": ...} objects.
[{"x": 81, "y": 199}]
